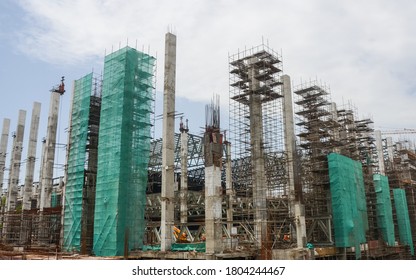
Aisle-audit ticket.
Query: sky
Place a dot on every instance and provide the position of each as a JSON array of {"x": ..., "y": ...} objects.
[{"x": 363, "y": 50}]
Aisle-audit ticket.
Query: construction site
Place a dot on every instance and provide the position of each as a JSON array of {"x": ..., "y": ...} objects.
[{"x": 293, "y": 176}]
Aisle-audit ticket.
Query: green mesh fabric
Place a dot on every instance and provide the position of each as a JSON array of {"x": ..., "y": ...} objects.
[
  {"x": 349, "y": 208},
  {"x": 403, "y": 221},
  {"x": 123, "y": 152},
  {"x": 384, "y": 209},
  {"x": 76, "y": 162}
]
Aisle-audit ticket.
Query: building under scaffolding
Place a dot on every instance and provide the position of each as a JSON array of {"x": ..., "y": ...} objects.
[{"x": 302, "y": 179}]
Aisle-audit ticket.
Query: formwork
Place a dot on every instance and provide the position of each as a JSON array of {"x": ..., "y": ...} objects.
[
  {"x": 82, "y": 165},
  {"x": 123, "y": 152}
]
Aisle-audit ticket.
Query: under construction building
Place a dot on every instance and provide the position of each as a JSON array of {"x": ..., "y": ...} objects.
[{"x": 289, "y": 179}]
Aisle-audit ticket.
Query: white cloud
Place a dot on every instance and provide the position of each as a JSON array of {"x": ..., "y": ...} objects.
[{"x": 363, "y": 49}]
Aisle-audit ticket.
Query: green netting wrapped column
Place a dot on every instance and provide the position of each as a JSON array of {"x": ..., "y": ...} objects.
[
  {"x": 384, "y": 209},
  {"x": 349, "y": 209},
  {"x": 123, "y": 151},
  {"x": 76, "y": 163},
  {"x": 403, "y": 221}
]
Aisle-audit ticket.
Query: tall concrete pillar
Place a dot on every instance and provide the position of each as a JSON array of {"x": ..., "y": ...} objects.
[
  {"x": 31, "y": 156},
  {"x": 49, "y": 157},
  {"x": 184, "y": 173},
  {"x": 213, "y": 188},
  {"x": 297, "y": 209},
  {"x": 380, "y": 154},
  {"x": 168, "y": 144},
  {"x": 16, "y": 161},
  {"x": 257, "y": 156},
  {"x": 3, "y": 149}
]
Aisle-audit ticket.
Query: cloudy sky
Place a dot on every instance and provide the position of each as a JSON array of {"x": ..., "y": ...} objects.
[{"x": 364, "y": 50}]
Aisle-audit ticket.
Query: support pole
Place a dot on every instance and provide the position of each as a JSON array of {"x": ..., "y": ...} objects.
[{"x": 168, "y": 145}]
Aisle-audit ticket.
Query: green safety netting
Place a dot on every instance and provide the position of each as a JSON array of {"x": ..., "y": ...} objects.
[
  {"x": 349, "y": 208},
  {"x": 123, "y": 151},
  {"x": 384, "y": 209},
  {"x": 54, "y": 200},
  {"x": 403, "y": 221},
  {"x": 76, "y": 162}
]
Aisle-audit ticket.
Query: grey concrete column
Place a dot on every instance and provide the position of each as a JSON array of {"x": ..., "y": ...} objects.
[
  {"x": 295, "y": 190},
  {"x": 213, "y": 224},
  {"x": 257, "y": 157},
  {"x": 168, "y": 144},
  {"x": 3, "y": 149},
  {"x": 16, "y": 162},
  {"x": 31, "y": 156},
  {"x": 49, "y": 158}
]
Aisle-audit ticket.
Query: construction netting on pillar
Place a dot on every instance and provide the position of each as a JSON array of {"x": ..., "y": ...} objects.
[
  {"x": 403, "y": 221},
  {"x": 76, "y": 163},
  {"x": 349, "y": 210},
  {"x": 123, "y": 152},
  {"x": 384, "y": 208}
]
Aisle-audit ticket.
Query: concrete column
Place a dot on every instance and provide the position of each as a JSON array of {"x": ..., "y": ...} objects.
[
  {"x": 184, "y": 175},
  {"x": 292, "y": 165},
  {"x": 257, "y": 157},
  {"x": 16, "y": 161},
  {"x": 380, "y": 154},
  {"x": 49, "y": 158},
  {"x": 3, "y": 149},
  {"x": 213, "y": 226},
  {"x": 31, "y": 156},
  {"x": 229, "y": 187},
  {"x": 168, "y": 145}
]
